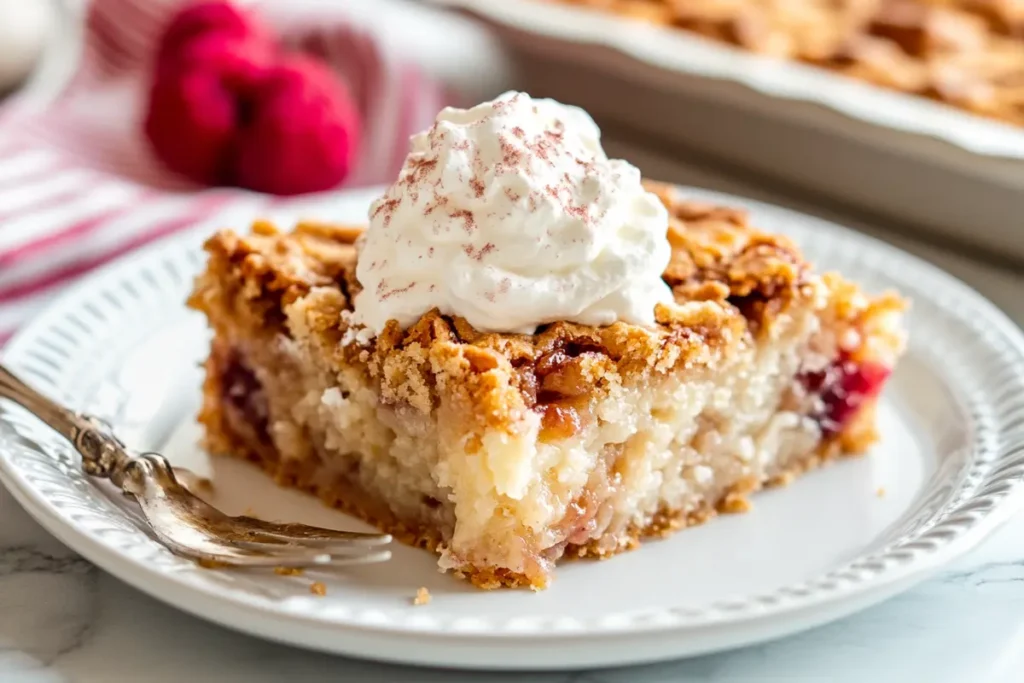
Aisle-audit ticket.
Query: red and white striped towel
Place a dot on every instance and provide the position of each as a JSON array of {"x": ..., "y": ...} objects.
[{"x": 78, "y": 186}]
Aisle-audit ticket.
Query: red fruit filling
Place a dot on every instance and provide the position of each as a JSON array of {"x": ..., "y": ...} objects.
[
  {"x": 195, "y": 115},
  {"x": 843, "y": 387},
  {"x": 242, "y": 390}
]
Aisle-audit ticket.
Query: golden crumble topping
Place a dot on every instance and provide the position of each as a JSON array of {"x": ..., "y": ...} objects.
[{"x": 729, "y": 279}]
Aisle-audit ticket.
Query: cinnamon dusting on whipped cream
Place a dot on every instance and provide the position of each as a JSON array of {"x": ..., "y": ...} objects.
[{"x": 510, "y": 215}]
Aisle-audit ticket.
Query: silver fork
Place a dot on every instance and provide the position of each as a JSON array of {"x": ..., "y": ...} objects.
[{"x": 181, "y": 521}]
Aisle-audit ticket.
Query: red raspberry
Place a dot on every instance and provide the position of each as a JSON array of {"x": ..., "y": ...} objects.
[
  {"x": 303, "y": 132},
  {"x": 844, "y": 386},
  {"x": 227, "y": 108},
  {"x": 205, "y": 19},
  {"x": 195, "y": 112}
]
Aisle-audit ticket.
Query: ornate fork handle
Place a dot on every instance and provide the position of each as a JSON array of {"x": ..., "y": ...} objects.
[
  {"x": 184, "y": 523},
  {"x": 103, "y": 454}
]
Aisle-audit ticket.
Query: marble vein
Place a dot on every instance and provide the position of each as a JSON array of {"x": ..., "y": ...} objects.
[{"x": 18, "y": 559}]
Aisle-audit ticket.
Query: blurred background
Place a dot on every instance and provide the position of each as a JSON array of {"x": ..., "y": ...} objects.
[{"x": 900, "y": 118}]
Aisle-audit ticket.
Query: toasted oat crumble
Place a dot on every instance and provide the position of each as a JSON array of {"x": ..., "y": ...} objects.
[{"x": 730, "y": 278}]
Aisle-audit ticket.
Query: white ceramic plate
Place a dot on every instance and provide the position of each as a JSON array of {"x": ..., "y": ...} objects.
[
  {"x": 951, "y": 464},
  {"x": 679, "y": 51}
]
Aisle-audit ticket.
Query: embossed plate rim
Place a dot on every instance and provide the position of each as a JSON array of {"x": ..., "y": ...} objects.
[{"x": 994, "y": 395}]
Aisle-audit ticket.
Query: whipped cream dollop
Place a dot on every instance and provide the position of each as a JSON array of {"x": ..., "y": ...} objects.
[{"x": 510, "y": 215}]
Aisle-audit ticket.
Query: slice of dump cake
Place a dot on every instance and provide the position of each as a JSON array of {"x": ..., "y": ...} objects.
[{"x": 530, "y": 354}]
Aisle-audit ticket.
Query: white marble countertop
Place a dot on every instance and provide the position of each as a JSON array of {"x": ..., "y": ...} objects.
[{"x": 62, "y": 620}]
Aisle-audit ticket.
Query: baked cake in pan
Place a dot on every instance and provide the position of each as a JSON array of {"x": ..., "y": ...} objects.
[{"x": 966, "y": 53}]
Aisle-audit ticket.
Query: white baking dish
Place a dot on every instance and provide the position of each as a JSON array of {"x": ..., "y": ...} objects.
[{"x": 943, "y": 170}]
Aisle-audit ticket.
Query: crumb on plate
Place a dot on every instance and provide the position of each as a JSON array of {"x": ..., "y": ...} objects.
[
  {"x": 289, "y": 571},
  {"x": 735, "y": 503},
  {"x": 880, "y": 492},
  {"x": 422, "y": 596},
  {"x": 318, "y": 588}
]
